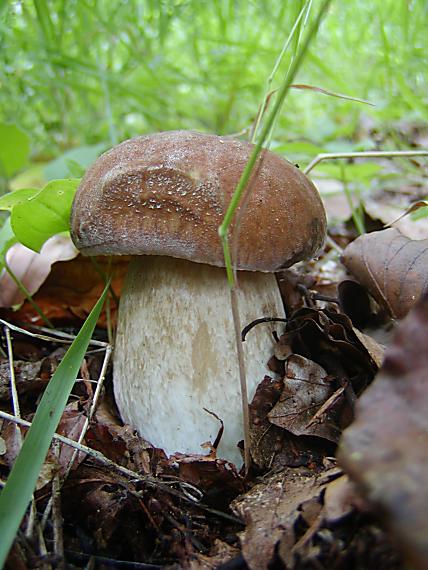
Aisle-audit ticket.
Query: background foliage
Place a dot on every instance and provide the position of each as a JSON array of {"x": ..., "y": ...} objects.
[{"x": 79, "y": 75}]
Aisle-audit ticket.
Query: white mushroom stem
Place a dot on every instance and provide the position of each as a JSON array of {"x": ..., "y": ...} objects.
[{"x": 176, "y": 352}]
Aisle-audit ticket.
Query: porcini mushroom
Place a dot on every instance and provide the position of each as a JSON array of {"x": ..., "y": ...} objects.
[{"x": 161, "y": 198}]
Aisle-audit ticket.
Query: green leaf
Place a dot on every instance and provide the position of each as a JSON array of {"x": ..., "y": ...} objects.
[
  {"x": 420, "y": 213},
  {"x": 84, "y": 156},
  {"x": 75, "y": 169},
  {"x": 46, "y": 214},
  {"x": 17, "y": 493},
  {"x": 14, "y": 149},
  {"x": 298, "y": 147},
  {"x": 11, "y": 199},
  {"x": 7, "y": 239},
  {"x": 355, "y": 172}
]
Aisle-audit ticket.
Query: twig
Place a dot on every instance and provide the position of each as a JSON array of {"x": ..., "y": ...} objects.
[
  {"x": 363, "y": 154},
  {"x": 14, "y": 391},
  {"x": 32, "y": 522},
  {"x": 42, "y": 546},
  {"x": 260, "y": 321},
  {"x": 330, "y": 241},
  {"x": 62, "y": 336},
  {"x": 56, "y": 511},
  {"x": 94, "y": 404},
  {"x": 84, "y": 429},
  {"x": 242, "y": 376},
  {"x": 194, "y": 496},
  {"x": 327, "y": 404}
]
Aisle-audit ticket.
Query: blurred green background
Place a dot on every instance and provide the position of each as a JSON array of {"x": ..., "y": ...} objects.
[{"x": 77, "y": 76}]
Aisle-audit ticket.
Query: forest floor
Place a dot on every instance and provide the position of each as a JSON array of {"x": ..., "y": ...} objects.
[{"x": 337, "y": 481}]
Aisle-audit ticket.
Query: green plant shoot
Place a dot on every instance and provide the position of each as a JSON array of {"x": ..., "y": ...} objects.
[
  {"x": 17, "y": 493},
  {"x": 243, "y": 181}
]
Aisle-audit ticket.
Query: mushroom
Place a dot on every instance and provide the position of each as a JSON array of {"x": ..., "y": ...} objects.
[{"x": 161, "y": 199}]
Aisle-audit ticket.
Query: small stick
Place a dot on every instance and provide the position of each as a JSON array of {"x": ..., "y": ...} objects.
[
  {"x": 56, "y": 511},
  {"x": 194, "y": 496},
  {"x": 14, "y": 391},
  {"x": 242, "y": 376},
  {"x": 363, "y": 154},
  {"x": 63, "y": 337},
  {"x": 94, "y": 404},
  {"x": 32, "y": 523}
]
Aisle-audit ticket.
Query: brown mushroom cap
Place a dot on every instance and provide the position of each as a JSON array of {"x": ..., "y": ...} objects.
[{"x": 167, "y": 193}]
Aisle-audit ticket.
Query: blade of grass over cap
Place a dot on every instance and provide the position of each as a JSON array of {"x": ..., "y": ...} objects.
[
  {"x": 17, "y": 493},
  {"x": 234, "y": 203},
  {"x": 270, "y": 79},
  {"x": 242, "y": 184}
]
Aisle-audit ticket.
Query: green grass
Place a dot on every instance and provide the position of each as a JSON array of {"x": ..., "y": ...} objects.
[
  {"x": 21, "y": 482},
  {"x": 77, "y": 73}
]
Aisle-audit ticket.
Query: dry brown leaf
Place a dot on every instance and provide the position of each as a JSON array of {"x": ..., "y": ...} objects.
[
  {"x": 118, "y": 442},
  {"x": 392, "y": 215},
  {"x": 217, "y": 478},
  {"x": 220, "y": 554},
  {"x": 391, "y": 266},
  {"x": 270, "y": 511},
  {"x": 71, "y": 290},
  {"x": 306, "y": 388},
  {"x": 412, "y": 208},
  {"x": 386, "y": 449},
  {"x": 97, "y": 499},
  {"x": 266, "y": 440},
  {"x": 340, "y": 499},
  {"x": 375, "y": 349},
  {"x": 273, "y": 447},
  {"x": 27, "y": 378}
]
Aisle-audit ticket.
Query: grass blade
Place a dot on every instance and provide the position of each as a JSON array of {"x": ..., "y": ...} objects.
[
  {"x": 17, "y": 493},
  {"x": 242, "y": 184}
]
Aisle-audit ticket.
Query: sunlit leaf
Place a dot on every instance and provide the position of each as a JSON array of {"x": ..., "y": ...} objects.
[
  {"x": 11, "y": 199},
  {"x": 298, "y": 147},
  {"x": 355, "y": 172},
  {"x": 83, "y": 156},
  {"x": 46, "y": 214}
]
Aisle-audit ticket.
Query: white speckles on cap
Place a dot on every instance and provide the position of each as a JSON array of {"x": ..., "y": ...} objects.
[{"x": 167, "y": 193}]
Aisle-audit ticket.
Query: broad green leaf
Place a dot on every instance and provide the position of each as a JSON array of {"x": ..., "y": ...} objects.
[
  {"x": 7, "y": 239},
  {"x": 84, "y": 156},
  {"x": 298, "y": 147},
  {"x": 46, "y": 214},
  {"x": 339, "y": 145},
  {"x": 17, "y": 493},
  {"x": 75, "y": 169},
  {"x": 14, "y": 149},
  {"x": 361, "y": 172},
  {"x": 11, "y": 199}
]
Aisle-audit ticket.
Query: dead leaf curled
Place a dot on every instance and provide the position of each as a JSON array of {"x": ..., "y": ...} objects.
[{"x": 391, "y": 266}]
